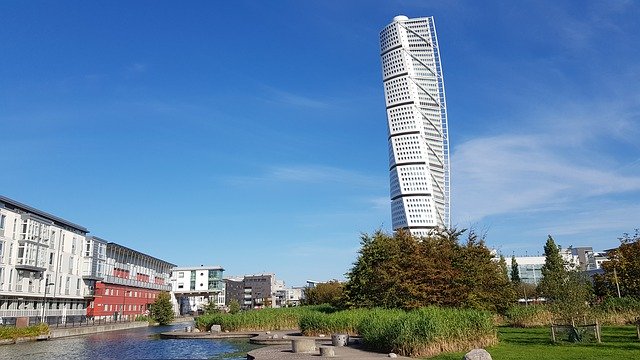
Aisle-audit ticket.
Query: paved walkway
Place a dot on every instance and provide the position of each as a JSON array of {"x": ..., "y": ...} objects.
[
  {"x": 284, "y": 352},
  {"x": 278, "y": 344}
]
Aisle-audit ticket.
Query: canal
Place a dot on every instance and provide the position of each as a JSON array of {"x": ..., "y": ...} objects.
[{"x": 140, "y": 343}]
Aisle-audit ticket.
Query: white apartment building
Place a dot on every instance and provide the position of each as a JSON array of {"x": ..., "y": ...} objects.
[
  {"x": 40, "y": 265},
  {"x": 419, "y": 167},
  {"x": 196, "y": 286},
  {"x": 578, "y": 258}
]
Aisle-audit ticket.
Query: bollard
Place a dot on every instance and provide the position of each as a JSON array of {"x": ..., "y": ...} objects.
[{"x": 339, "y": 339}]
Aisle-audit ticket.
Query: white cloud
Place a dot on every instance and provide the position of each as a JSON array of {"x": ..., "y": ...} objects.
[
  {"x": 560, "y": 163},
  {"x": 310, "y": 174},
  {"x": 274, "y": 95}
]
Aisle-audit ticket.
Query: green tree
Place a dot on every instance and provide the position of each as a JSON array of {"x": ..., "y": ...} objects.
[
  {"x": 324, "y": 293},
  {"x": 503, "y": 265},
  {"x": 401, "y": 271},
  {"x": 161, "y": 310},
  {"x": 553, "y": 271},
  {"x": 234, "y": 306},
  {"x": 623, "y": 269},
  {"x": 515, "y": 271},
  {"x": 566, "y": 290}
]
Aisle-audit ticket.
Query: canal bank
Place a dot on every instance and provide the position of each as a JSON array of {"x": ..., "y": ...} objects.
[
  {"x": 85, "y": 330},
  {"x": 134, "y": 343}
]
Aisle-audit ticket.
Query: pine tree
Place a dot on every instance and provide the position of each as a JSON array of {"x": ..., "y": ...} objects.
[
  {"x": 162, "y": 309},
  {"x": 553, "y": 271},
  {"x": 515, "y": 271}
]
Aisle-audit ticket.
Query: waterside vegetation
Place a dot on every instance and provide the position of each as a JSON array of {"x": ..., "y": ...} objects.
[
  {"x": 11, "y": 332},
  {"x": 435, "y": 294}
]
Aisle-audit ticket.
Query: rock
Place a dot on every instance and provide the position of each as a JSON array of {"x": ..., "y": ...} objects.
[
  {"x": 285, "y": 337},
  {"x": 275, "y": 336},
  {"x": 392, "y": 355},
  {"x": 216, "y": 328},
  {"x": 268, "y": 332},
  {"x": 477, "y": 354},
  {"x": 196, "y": 330},
  {"x": 322, "y": 335}
]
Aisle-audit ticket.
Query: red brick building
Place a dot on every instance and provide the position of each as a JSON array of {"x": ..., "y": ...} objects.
[{"x": 126, "y": 283}]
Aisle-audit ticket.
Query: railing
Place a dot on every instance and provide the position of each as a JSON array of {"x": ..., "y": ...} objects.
[
  {"x": 136, "y": 283},
  {"x": 38, "y": 312}
]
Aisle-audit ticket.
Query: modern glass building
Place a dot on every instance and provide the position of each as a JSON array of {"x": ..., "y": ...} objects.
[{"x": 419, "y": 168}]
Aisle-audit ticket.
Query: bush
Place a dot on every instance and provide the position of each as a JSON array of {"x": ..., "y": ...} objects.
[
  {"x": 262, "y": 319},
  {"x": 618, "y": 311},
  {"x": 315, "y": 323},
  {"x": 427, "y": 331},
  {"x": 528, "y": 316},
  {"x": 10, "y": 332}
]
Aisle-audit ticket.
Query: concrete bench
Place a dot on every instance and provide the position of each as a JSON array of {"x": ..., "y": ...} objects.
[
  {"x": 327, "y": 351},
  {"x": 303, "y": 345}
]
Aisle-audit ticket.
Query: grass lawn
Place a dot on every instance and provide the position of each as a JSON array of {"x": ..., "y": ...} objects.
[{"x": 619, "y": 343}]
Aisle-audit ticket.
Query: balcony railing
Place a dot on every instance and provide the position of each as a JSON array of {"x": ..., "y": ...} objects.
[
  {"x": 38, "y": 312},
  {"x": 135, "y": 283}
]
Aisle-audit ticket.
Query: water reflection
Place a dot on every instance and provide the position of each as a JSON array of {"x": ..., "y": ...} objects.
[{"x": 141, "y": 343}]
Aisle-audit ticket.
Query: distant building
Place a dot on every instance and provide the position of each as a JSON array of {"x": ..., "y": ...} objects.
[
  {"x": 129, "y": 283},
  {"x": 289, "y": 297},
  {"x": 40, "y": 265},
  {"x": 196, "y": 286},
  {"x": 255, "y": 291},
  {"x": 580, "y": 258}
]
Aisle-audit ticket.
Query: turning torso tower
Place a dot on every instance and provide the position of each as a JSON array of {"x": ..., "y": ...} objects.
[{"x": 417, "y": 119}]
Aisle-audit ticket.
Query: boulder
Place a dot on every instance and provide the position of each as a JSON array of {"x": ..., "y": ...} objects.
[{"x": 477, "y": 354}]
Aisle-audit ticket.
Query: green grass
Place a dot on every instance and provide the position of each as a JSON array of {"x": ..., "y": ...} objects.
[
  {"x": 618, "y": 342},
  {"x": 11, "y": 332}
]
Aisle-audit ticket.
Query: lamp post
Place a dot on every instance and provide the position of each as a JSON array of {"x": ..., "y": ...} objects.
[{"x": 44, "y": 301}]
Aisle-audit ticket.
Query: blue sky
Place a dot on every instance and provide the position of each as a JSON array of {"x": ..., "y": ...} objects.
[{"x": 252, "y": 134}]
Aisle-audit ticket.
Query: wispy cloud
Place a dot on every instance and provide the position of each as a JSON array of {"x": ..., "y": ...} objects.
[
  {"x": 136, "y": 68},
  {"x": 566, "y": 160},
  {"x": 310, "y": 174},
  {"x": 279, "y": 96}
]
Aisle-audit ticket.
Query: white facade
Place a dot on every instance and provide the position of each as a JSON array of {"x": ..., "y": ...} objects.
[
  {"x": 40, "y": 254},
  {"x": 419, "y": 168},
  {"x": 194, "y": 287}
]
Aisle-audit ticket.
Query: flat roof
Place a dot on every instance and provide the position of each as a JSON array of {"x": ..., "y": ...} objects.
[
  {"x": 56, "y": 220},
  {"x": 139, "y": 252},
  {"x": 201, "y": 267}
]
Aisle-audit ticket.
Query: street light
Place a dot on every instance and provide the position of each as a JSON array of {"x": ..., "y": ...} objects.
[{"x": 44, "y": 301}]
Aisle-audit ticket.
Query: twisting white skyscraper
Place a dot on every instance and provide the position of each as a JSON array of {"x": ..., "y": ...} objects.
[{"x": 417, "y": 120}]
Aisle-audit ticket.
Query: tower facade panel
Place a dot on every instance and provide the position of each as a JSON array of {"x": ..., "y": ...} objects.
[{"x": 417, "y": 121}]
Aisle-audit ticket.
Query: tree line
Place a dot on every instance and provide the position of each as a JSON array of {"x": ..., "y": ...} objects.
[{"x": 453, "y": 268}]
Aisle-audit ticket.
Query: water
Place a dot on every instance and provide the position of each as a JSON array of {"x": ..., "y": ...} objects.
[{"x": 140, "y": 343}]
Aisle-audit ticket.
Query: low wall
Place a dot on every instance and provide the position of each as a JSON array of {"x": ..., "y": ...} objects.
[{"x": 83, "y": 330}]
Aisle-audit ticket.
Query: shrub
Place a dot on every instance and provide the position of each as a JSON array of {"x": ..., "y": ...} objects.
[
  {"x": 618, "y": 311},
  {"x": 10, "y": 332},
  {"x": 528, "y": 316},
  {"x": 315, "y": 323},
  {"x": 427, "y": 331},
  {"x": 263, "y": 319}
]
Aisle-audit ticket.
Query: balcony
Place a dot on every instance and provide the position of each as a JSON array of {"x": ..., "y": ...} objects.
[{"x": 135, "y": 283}]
